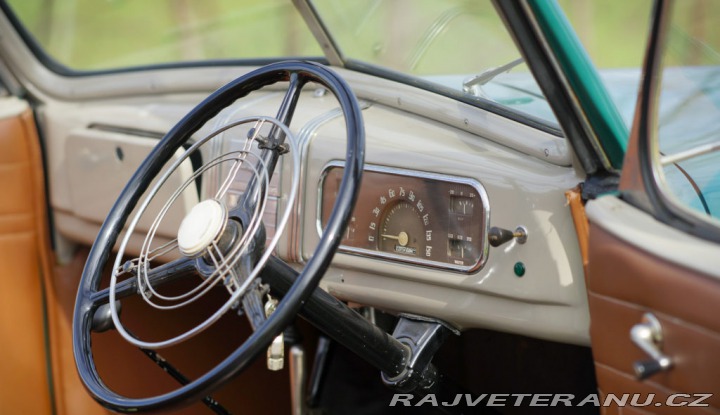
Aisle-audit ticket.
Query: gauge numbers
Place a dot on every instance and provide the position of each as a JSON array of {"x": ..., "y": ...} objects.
[{"x": 413, "y": 217}]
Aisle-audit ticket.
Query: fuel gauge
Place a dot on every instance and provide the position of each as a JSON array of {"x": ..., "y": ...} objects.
[{"x": 462, "y": 205}]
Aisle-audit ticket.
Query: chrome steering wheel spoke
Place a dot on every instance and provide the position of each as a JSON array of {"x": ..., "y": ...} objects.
[{"x": 273, "y": 145}]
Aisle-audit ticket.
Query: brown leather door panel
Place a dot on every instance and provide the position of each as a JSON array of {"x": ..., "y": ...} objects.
[{"x": 624, "y": 282}]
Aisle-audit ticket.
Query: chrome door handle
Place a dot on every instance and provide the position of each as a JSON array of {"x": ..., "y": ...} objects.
[{"x": 647, "y": 335}]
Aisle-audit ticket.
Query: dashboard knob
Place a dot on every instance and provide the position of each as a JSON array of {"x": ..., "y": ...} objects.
[{"x": 498, "y": 236}]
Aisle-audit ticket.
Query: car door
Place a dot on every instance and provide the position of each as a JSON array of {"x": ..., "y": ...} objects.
[{"x": 653, "y": 277}]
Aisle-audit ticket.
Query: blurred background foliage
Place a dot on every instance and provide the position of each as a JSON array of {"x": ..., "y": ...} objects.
[{"x": 103, "y": 34}]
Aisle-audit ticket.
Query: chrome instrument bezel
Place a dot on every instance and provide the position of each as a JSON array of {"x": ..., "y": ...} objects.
[{"x": 367, "y": 253}]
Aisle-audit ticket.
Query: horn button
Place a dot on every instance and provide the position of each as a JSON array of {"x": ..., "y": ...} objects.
[{"x": 201, "y": 227}]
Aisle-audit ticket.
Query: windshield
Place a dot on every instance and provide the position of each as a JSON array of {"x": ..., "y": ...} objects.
[
  {"x": 458, "y": 48},
  {"x": 90, "y": 35},
  {"x": 445, "y": 43}
]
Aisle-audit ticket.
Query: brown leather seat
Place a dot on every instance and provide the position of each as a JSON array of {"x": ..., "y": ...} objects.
[{"x": 36, "y": 337}]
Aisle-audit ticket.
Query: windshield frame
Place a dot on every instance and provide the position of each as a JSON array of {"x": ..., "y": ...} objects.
[
  {"x": 556, "y": 56},
  {"x": 602, "y": 115}
]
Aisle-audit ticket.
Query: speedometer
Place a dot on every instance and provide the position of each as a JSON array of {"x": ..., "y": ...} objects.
[
  {"x": 403, "y": 226},
  {"x": 414, "y": 217},
  {"x": 400, "y": 229}
]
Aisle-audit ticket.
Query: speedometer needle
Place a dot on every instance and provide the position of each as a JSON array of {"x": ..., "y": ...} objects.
[{"x": 402, "y": 238}]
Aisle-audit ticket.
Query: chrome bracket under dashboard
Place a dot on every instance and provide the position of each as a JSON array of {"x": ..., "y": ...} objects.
[{"x": 413, "y": 217}]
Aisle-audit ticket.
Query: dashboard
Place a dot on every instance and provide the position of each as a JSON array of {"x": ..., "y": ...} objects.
[{"x": 438, "y": 174}]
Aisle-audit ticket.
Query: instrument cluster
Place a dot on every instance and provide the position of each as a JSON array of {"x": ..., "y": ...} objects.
[{"x": 414, "y": 217}]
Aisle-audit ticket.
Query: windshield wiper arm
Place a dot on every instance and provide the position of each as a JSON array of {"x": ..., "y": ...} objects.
[{"x": 473, "y": 85}]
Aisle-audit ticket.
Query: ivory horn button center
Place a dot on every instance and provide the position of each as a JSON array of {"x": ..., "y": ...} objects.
[{"x": 201, "y": 227}]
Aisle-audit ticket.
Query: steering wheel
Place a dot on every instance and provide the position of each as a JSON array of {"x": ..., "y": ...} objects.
[{"x": 221, "y": 242}]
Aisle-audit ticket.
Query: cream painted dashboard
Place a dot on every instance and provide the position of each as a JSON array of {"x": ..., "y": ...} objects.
[{"x": 524, "y": 172}]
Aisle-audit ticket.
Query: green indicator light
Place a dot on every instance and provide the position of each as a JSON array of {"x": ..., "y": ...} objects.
[{"x": 519, "y": 269}]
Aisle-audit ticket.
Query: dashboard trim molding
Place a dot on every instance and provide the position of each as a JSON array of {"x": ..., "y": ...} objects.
[{"x": 305, "y": 136}]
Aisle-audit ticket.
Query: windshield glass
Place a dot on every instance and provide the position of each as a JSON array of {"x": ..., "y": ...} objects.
[
  {"x": 444, "y": 42},
  {"x": 87, "y": 35},
  {"x": 456, "y": 47}
]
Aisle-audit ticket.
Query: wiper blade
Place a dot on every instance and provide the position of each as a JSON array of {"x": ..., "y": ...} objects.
[{"x": 473, "y": 84}]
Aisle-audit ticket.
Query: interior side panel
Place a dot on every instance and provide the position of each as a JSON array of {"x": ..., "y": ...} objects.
[
  {"x": 624, "y": 282},
  {"x": 24, "y": 382}
]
